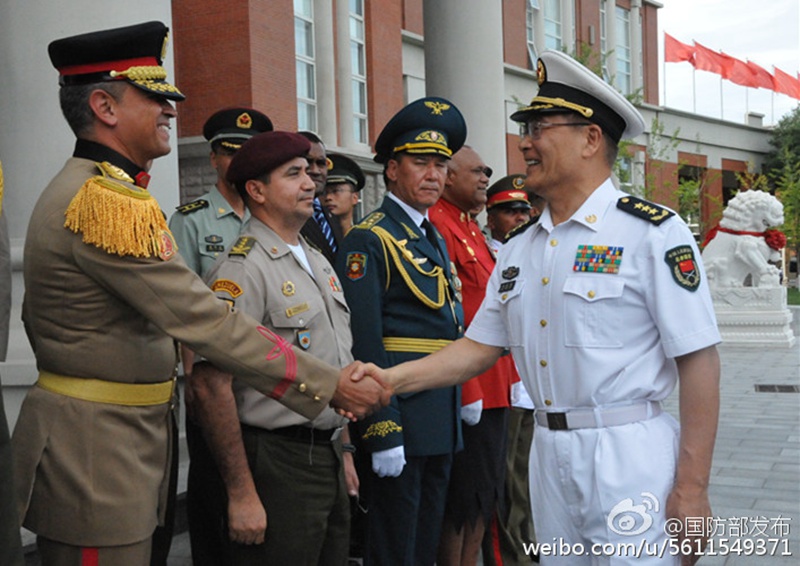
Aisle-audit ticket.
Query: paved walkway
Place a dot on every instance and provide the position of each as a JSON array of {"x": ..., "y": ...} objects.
[{"x": 755, "y": 478}]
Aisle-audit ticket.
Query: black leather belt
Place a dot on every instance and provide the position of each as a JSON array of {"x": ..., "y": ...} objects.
[{"x": 305, "y": 433}]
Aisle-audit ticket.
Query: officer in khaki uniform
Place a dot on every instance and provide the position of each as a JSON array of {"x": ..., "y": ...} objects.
[
  {"x": 203, "y": 230},
  {"x": 295, "y": 479},
  {"x": 397, "y": 273},
  {"x": 106, "y": 296}
]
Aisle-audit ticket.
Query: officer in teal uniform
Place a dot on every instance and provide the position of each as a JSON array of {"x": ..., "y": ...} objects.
[
  {"x": 203, "y": 230},
  {"x": 404, "y": 291}
]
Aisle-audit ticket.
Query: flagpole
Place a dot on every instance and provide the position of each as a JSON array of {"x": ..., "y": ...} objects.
[
  {"x": 721, "y": 114},
  {"x": 694, "y": 91}
]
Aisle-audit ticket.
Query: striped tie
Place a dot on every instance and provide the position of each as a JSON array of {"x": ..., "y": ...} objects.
[{"x": 319, "y": 216}]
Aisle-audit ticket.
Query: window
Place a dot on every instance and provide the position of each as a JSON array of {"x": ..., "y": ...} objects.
[
  {"x": 552, "y": 24},
  {"x": 305, "y": 65},
  {"x": 604, "y": 39},
  {"x": 623, "y": 50},
  {"x": 531, "y": 14},
  {"x": 358, "y": 65}
]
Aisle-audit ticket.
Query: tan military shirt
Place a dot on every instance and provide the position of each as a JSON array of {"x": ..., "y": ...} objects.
[{"x": 262, "y": 277}]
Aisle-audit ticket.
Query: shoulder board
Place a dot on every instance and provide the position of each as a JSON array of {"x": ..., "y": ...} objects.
[
  {"x": 192, "y": 206},
  {"x": 370, "y": 221},
  {"x": 113, "y": 172},
  {"x": 643, "y": 209},
  {"x": 242, "y": 246},
  {"x": 520, "y": 229}
]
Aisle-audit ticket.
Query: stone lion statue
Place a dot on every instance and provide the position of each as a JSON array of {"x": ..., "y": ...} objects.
[{"x": 743, "y": 244}]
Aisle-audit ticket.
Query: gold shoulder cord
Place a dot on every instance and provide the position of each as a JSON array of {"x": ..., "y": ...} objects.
[{"x": 391, "y": 244}]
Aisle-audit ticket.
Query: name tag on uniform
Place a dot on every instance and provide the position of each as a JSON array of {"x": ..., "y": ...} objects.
[{"x": 297, "y": 309}]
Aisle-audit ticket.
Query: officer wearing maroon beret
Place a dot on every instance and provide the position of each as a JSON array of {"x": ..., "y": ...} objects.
[
  {"x": 204, "y": 228},
  {"x": 284, "y": 472},
  {"x": 106, "y": 297}
]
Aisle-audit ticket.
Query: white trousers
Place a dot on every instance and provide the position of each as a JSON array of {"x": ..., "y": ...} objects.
[{"x": 599, "y": 494}]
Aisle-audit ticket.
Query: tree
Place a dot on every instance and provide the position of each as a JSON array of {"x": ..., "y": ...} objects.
[{"x": 783, "y": 170}]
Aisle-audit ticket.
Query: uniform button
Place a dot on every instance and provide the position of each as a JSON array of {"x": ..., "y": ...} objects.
[
  {"x": 221, "y": 210},
  {"x": 548, "y": 402},
  {"x": 545, "y": 280},
  {"x": 505, "y": 296},
  {"x": 300, "y": 322},
  {"x": 543, "y": 322},
  {"x": 317, "y": 398},
  {"x": 274, "y": 250},
  {"x": 591, "y": 294},
  {"x": 216, "y": 254},
  {"x": 553, "y": 242},
  {"x": 302, "y": 388},
  {"x": 543, "y": 363}
]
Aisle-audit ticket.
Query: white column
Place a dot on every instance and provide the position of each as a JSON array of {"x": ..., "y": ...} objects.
[
  {"x": 636, "y": 45},
  {"x": 611, "y": 37},
  {"x": 325, "y": 71},
  {"x": 464, "y": 63},
  {"x": 344, "y": 73},
  {"x": 568, "y": 25}
]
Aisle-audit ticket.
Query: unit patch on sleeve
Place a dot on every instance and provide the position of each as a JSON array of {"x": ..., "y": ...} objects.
[
  {"x": 227, "y": 286},
  {"x": 356, "y": 265},
  {"x": 598, "y": 259},
  {"x": 683, "y": 267}
]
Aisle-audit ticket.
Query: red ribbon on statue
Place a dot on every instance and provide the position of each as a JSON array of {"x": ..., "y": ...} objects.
[{"x": 775, "y": 238}]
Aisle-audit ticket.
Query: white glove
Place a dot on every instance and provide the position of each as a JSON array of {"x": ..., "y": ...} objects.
[
  {"x": 471, "y": 414},
  {"x": 516, "y": 392},
  {"x": 389, "y": 463}
]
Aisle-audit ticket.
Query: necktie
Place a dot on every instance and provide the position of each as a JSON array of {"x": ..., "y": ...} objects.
[
  {"x": 319, "y": 216},
  {"x": 430, "y": 234}
]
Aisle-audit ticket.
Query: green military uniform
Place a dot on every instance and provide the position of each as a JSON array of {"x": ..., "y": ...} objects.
[{"x": 204, "y": 229}]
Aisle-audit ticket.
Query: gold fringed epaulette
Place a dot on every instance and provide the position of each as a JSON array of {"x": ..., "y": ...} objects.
[{"x": 119, "y": 219}]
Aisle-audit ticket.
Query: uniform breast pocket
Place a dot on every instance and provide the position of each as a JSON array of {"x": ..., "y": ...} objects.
[
  {"x": 294, "y": 316},
  {"x": 509, "y": 297},
  {"x": 592, "y": 312}
]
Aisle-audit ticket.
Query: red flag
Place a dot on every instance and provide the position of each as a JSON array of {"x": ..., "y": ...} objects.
[
  {"x": 675, "y": 51},
  {"x": 738, "y": 72},
  {"x": 707, "y": 60},
  {"x": 763, "y": 78},
  {"x": 786, "y": 84}
]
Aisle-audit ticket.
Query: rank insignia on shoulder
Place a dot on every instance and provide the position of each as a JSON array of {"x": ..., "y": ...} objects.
[
  {"x": 683, "y": 267},
  {"x": 192, "y": 206},
  {"x": 356, "y": 265},
  {"x": 112, "y": 171},
  {"x": 370, "y": 220},
  {"x": 304, "y": 338},
  {"x": 510, "y": 272},
  {"x": 242, "y": 246},
  {"x": 598, "y": 259},
  {"x": 227, "y": 286},
  {"x": 643, "y": 209},
  {"x": 520, "y": 229}
]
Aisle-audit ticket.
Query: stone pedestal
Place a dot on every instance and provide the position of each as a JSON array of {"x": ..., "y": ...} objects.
[{"x": 753, "y": 316}]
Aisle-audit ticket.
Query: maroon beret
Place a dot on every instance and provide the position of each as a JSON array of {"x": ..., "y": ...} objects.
[{"x": 263, "y": 153}]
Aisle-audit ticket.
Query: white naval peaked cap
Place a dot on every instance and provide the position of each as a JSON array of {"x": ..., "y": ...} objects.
[{"x": 567, "y": 86}]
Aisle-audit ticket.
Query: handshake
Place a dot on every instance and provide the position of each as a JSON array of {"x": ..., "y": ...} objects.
[{"x": 362, "y": 390}]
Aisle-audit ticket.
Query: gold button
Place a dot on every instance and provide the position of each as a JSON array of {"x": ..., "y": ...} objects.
[
  {"x": 302, "y": 388},
  {"x": 545, "y": 280},
  {"x": 505, "y": 296},
  {"x": 274, "y": 249},
  {"x": 316, "y": 398},
  {"x": 543, "y": 363},
  {"x": 591, "y": 294},
  {"x": 548, "y": 402},
  {"x": 553, "y": 242},
  {"x": 543, "y": 322},
  {"x": 216, "y": 254},
  {"x": 221, "y": 210}
]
